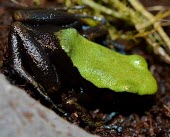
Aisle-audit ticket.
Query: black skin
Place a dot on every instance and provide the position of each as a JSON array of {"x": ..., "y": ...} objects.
[
  {"x": 37, "y": 57},
  {"x": 32, "y": 36}
]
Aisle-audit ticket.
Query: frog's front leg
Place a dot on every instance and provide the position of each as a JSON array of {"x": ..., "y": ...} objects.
[
  {"x": 23, "y": 44},
  {"x": 72, "y": 105}
]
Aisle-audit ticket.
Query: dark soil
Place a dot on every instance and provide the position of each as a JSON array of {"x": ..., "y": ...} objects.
[{"x": 149, "y": 118}]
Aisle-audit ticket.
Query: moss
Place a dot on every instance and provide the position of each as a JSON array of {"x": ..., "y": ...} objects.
[{"x": 106, "y": 68}]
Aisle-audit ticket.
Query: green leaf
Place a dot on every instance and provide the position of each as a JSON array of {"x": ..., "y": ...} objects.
[{"x": 106, "y": 68}]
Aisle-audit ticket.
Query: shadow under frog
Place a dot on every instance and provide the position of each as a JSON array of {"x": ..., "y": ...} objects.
[
  {"x": 108, "y": 101},
  {"x": 53, "y": 58}
]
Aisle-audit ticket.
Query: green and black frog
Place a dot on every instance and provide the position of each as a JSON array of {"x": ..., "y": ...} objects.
[{"x": 48, "y": 50}]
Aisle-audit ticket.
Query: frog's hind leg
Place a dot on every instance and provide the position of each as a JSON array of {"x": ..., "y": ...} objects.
[
  {"x": 17, "y": 62},
  {"x": 47, "y": 16},
  {"x": 37, "y": 58}
]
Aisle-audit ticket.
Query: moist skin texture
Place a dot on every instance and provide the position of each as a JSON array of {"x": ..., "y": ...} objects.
[{"x": 106, "y": 68}]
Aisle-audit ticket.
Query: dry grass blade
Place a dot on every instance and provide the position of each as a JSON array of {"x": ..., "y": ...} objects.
[
  {"x": 158, "y": 48},
  {"x": 134, "y": 13},
  {"x": 19, "y": 3}
]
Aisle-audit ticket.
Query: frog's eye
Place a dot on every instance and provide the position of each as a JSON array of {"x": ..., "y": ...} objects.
[
  {"x": 138, "y": 62},
  {"x": 106, "y": 68}
]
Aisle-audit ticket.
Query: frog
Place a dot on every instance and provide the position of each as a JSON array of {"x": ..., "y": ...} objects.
[{"x": 48, "y": 50}]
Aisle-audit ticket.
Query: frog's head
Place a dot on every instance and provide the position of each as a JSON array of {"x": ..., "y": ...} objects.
[{"x": 106, "y": 68}]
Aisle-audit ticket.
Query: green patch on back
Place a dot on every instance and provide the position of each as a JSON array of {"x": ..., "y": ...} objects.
[{"x": 106, "y": 68}]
